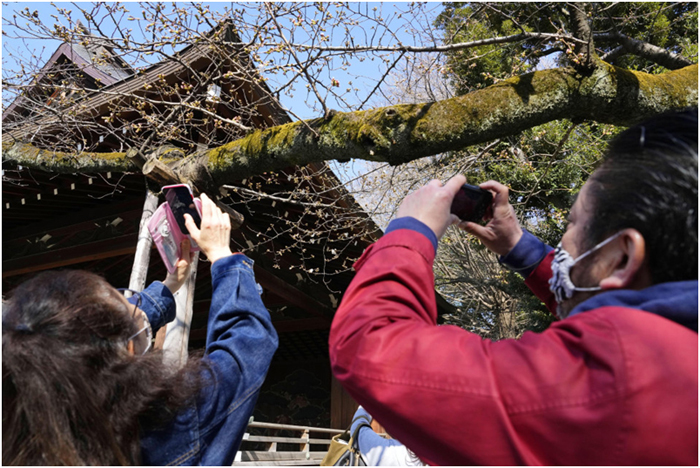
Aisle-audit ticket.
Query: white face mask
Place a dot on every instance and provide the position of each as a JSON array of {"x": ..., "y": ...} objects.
[{"x": 560, "y": 283}]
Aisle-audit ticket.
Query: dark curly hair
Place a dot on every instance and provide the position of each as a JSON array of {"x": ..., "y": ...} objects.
[
  {"x": 71, "y": 393},
  {"x": 649, "y": 181}
]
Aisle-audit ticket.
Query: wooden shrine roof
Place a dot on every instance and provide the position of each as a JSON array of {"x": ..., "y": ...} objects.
[{"x": 91, "y": 221}]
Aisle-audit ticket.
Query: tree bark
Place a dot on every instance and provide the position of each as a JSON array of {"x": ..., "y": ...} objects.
[
  {"x": 643, "y": 49},
  {"x": 582, "y": 30},
  {"x": 402, "y": 133}
]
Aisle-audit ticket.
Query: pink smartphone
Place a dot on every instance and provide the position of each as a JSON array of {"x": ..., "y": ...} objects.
[
  {"x": 181, "y": 201},
  {"x": 165, "y": 228}
]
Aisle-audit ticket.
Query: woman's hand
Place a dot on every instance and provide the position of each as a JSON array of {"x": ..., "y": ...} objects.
[
  {"x": 503, "y": 231},
  {"x": 174, "y": 281},
  {"x": 214, "y": 235}
]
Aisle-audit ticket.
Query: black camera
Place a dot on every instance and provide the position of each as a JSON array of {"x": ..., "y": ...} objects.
[{"x": 471, "y": 203}]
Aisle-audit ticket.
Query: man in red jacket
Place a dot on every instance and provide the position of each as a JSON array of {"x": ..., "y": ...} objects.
[{"x": 614, "y": 381}]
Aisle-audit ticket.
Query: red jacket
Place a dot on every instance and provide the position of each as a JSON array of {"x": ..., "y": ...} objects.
[{"x": 609, "y": 386}]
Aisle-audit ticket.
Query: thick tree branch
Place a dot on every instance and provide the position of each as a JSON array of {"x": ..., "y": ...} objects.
[
  {"x": 614, "y": 54},
  {"x": 27, "y": 155},
  {"x": 642, "y": 49},
  {"x": 402, "y": 133},
  {"x": 582, "y": 30}
]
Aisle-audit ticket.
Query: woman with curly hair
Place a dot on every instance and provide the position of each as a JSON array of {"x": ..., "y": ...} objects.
[{"x": 80, "y": 386}]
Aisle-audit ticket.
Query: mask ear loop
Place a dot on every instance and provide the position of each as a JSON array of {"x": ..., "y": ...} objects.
[
  {"x": 149, "y": 334},
  {"x": 560, "y": 283},
  {"x": 596, "y": 247},
  {"x": 590, "y": 251}
]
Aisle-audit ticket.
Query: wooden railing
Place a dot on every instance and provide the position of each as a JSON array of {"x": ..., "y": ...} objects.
[{"x": 305, "y": 447}]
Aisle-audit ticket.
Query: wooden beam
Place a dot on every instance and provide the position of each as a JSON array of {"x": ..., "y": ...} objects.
[
  {"x": 291, "y": 294},
  {"x": 67, "y": 234},
  {"x": 305, "y": 324},
  {"x": 38, "y": 208},
  {"x": 114, "y": 247},
  {"x": 343, "y": 407},
  {"x": 269, "y": 458},
  {"x": 101, "y": 212}
]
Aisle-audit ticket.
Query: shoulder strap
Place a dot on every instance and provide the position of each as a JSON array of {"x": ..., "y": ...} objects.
[
  {"x": 366, "y": 423},
  {"x": 362, "y": 416}
]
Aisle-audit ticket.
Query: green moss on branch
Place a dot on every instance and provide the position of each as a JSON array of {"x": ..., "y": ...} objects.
[
  {"x": 401, "y": 133},
  {"x": 61, "y": 163}
]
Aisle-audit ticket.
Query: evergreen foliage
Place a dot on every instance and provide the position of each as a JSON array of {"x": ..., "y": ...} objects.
[{"x": 544, "y": 167}]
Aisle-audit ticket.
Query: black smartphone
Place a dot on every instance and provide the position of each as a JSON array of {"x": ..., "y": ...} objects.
[
  {"x": 471, "y": 203},
  {"x": 181, "y": 200}
]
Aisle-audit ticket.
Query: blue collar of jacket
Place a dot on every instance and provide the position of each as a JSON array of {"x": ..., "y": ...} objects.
[
  {"x": 676, "y": 301},
  {"x": 409, "y": 222}
]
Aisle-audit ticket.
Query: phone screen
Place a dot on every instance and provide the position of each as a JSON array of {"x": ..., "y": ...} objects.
[
  {"x": 181, "y": 201},
  {"x": 471, "y": 203}
]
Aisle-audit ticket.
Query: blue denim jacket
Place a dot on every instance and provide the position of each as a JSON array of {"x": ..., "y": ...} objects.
[{"x": 240, "y": 344}]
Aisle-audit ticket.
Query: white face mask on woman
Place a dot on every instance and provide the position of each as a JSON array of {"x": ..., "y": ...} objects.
[{"x": 560, "y": 283}]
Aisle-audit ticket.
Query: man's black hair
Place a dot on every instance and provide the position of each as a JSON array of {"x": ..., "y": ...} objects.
[{"x": 649, "y": 181}]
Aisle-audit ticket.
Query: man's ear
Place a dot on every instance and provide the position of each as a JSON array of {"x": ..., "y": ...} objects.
[
  {"x": 628, "y": 261},
  {"x": 130, "y": 347}
]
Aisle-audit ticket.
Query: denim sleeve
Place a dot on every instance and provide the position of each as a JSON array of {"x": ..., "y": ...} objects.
[
  {"x": 158, "y": 303},
  {"x": 408, "y": 222},
  {"x": 241, "y": 341},
  {"x": 526, "y": 255}
]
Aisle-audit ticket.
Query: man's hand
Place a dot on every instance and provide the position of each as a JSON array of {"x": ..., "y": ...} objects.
[
  {"x": 174, "y": 281},
  {"x": 214, "y": 236},
  {"x": 431, "y": 203},
  {"x": 503, "y": 231}
]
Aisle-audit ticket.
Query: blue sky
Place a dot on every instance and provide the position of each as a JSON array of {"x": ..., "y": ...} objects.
[
  {"x": 369, "y": 71},
  {"x": 361, "y": 75}
]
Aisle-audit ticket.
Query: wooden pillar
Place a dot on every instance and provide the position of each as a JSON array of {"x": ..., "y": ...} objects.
[
  {"x": 177, "y": 333},
  {"x": 343, "y": 407}
]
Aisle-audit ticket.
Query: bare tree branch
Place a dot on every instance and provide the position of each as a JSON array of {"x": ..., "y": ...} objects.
[
  {"x": 582, "y": 30},
  {"x": 642, "y": 49},
  {"x": 398, "y": 134},
  {"x": 524, "y": 36}
]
